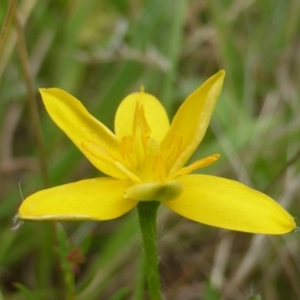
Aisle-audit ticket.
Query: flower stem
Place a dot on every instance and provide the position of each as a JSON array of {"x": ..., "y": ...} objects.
[{"x": 147, "y": 217}]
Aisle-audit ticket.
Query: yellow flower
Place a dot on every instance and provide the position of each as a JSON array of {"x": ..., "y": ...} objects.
[{"x": 144, "y": 160}]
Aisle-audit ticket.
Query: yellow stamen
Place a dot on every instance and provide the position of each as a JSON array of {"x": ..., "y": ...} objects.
[{"x": 140, "y": 122}]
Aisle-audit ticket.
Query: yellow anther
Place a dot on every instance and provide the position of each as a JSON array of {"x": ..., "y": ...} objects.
[{"x": 140, "y": 122}]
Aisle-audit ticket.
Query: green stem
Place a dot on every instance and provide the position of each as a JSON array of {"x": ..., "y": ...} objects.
[{"x": 147, "y": 216}]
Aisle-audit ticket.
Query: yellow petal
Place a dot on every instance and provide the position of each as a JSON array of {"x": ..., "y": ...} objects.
[
  {"x": 231, "y": 205},
  {"x": 154, "y": 113},
  {"x": 71, "y": 116},
  {"x": 201, "y": 163},
  {"x": 191, "y": 121},
  {"x": 97, "y": 152},
  {"x": 90, "y": 199}
]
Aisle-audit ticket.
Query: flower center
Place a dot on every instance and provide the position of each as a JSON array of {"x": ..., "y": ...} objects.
[
  {"x": 142, "y": 160},
  {"x": 140, "y": 153},
  {"x": 142, "y": 156}
]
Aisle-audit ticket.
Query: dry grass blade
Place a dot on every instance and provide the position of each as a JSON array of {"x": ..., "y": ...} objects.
[
  {"x": 7, "y": 21},
  {"x": 32, "y": 100}
]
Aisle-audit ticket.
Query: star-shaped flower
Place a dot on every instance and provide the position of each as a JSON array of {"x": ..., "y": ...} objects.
[{"x": 145, "y": 160}]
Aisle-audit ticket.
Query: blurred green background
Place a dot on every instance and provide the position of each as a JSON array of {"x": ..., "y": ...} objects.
[{"x": 100, "y": 51}]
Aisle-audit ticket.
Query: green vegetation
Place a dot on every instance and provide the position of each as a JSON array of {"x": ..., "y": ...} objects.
[{"x": 100, "y": 51}]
